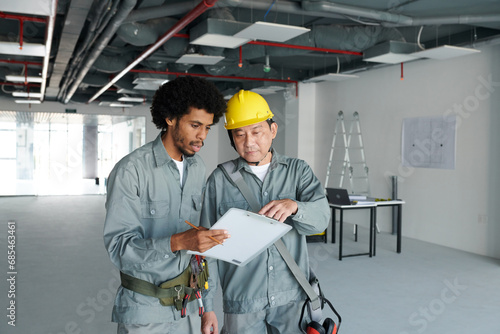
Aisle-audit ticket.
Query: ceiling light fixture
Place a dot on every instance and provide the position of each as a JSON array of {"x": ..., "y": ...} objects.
[
  {"x": 445, "y": 52},
  {"x": 148, "y": 83},
  {"x": 26, "y": 94},
  {"x": 28, "y": 50},
  {"x": 28, "y": 101},
  {"x": 331, "y": 77},
  {"x": 131, "y": 99},
  {"x": 266, "y": 90},
  {"x": 121, "y": 105},
  {"x": 22, "y": 78},
  {"x": 199, "y": 59},
  {"x": 274, "y": 32}
]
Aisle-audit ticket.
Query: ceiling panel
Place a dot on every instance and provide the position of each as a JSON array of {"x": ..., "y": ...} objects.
[{"x": 31, "y": 7}]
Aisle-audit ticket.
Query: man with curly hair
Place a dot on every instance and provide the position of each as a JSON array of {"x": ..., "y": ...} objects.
[{"x": 150, "y": 193}]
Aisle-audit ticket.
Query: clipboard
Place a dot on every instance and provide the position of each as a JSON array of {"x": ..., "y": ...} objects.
[{"x": 251, "y": 234}]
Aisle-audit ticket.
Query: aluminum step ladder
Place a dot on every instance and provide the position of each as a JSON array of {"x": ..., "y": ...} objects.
[
  {"x": 351, "y": 159},
  {"x": 338, "y": 163},
  {"x": 358, "y": 169}
]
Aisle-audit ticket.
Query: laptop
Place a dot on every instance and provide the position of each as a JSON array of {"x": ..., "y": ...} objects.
[{"x": 338, "y": 196}]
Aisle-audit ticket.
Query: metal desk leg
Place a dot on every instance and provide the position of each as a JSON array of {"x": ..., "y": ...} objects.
[
  {"x": 334, "y": 226},
  {"x": 371, "y": 232},
  {"x": 374, "y": 232},
  {"x": 341, "y": 233},
  {"x": 400, "y": 208}
]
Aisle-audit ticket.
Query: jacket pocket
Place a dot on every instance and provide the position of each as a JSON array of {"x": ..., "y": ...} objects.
[
  {"x": 225, "y": 206},
  {"x": 195, "y": 209},
  {"x": 154, "y": 210}
]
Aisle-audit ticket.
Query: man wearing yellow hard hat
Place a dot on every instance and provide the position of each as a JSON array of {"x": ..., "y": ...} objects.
[{"x": 262, "y": 296}]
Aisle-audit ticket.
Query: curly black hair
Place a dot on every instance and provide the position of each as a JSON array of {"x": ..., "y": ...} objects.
[{"x": 174, "y": 99}]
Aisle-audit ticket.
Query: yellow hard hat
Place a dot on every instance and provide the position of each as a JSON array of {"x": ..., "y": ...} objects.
[{"x": 246, "y": 108}]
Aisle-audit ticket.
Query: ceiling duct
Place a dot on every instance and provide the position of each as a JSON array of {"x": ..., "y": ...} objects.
[
  {"x": 394, "y": 19},
  {"x": 188, "y": 18},
  {"x": 112, "y": 62},
  {"x": 142, "y": 34},
  {"x": 218, "y": 33},
  {"x": 391, "y": 52},
  {"x": 125, "y": 7}
]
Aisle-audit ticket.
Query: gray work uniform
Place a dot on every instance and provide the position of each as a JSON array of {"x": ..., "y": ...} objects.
[
  {"x": 266, "y": 282},
  {"x": 145, "y": 206}
]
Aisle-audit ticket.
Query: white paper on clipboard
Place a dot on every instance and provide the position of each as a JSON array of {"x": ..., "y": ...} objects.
[{"x": 251, "y": 234}]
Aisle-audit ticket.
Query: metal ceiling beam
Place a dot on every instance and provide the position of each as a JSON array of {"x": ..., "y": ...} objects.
[
  {"x": 48, "y": 45},
  {"x": 77, "y": 15},
  {"x": 188, "y": 18}
]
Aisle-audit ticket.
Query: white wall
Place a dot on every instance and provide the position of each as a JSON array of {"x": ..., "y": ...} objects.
[{"x": 446, "y": 207}]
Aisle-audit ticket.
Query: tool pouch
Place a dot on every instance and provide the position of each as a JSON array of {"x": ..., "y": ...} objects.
[{"x": 180, "y": 286}]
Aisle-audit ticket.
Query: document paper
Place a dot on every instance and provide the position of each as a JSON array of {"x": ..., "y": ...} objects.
[{"x": 251, "y": 234}]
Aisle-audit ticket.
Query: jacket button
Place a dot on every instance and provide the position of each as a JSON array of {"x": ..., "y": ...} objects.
[{"x": 153, "y": 211}]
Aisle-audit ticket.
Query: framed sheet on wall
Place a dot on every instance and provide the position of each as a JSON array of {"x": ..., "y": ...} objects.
[{"x": 429, "y": 142}]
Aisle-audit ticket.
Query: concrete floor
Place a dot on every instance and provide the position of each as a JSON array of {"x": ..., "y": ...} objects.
[{"x": 65, "y": 282}]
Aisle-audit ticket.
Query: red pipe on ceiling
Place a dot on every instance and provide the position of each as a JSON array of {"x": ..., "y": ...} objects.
[
  {"x": 19, "y": 84},
  {"x": 292, "y": 46},
  {"x": 181, "y": 24},
  {"x": 217, "y": 76},
  {"x": 20, "y": 62},
  {"x": 22, "y": 18},
  {"x": 302, "y": 47}
]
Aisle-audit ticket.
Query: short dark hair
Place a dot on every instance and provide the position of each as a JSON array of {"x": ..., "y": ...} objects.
[{"x": 174, "y": 99}]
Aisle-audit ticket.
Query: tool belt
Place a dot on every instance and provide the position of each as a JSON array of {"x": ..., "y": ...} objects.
[{"x": 171, "y": 292}]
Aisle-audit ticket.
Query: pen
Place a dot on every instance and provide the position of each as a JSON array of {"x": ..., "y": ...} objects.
[{"x": 197, "y": 228}]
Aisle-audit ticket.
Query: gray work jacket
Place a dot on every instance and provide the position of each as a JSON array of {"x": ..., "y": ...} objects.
[
  {"x": 266, "y": 281},
  {"x": 145, "y": 206}
]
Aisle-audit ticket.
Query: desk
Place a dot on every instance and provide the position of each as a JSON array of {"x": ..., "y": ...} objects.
[
  {"x": 373, "y": 221},
  {"x": 341, "y": 208}
]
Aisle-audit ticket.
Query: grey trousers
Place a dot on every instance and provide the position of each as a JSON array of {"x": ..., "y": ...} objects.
[
  {"x": 277, "y": 320},
  {"x": 188, "y": 325}
]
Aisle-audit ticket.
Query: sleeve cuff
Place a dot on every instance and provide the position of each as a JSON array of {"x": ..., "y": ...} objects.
[
  {"x": 208, "y": 304},
  {"x": 163, "y": 246}
]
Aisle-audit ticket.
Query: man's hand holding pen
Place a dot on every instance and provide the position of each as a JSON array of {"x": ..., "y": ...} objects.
[{"x": 199, "y": 239}]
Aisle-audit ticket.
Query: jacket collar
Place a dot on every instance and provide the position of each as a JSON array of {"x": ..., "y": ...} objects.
[
  {"x": 276, "y": 159},
  {"x": 161, "y": 155}
]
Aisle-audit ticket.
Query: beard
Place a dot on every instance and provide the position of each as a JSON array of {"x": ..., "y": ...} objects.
[{"x": 179, "y": 142}]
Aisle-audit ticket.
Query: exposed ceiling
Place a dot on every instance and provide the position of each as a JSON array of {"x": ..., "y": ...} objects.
[{"x": 100, "y": 52}]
